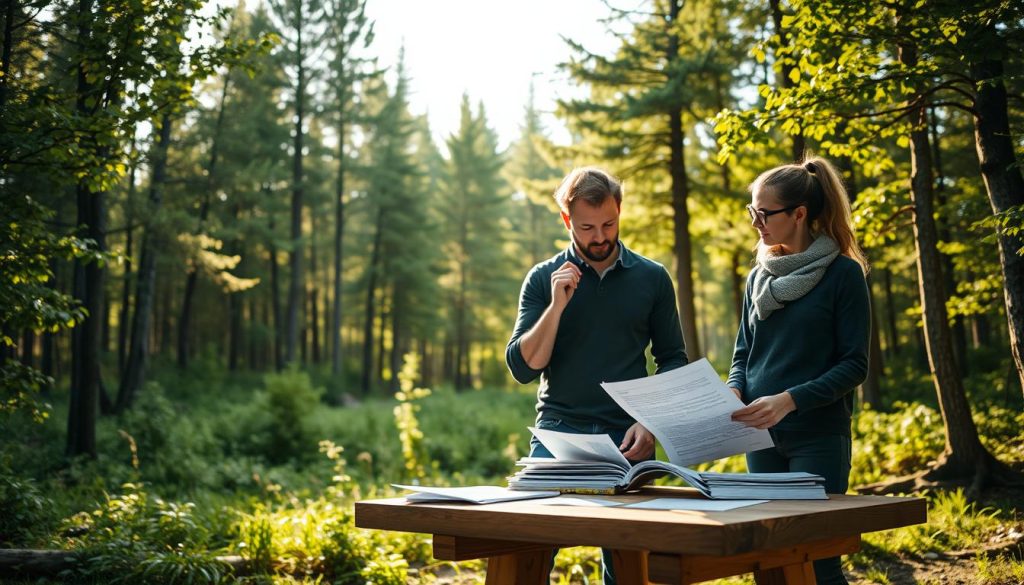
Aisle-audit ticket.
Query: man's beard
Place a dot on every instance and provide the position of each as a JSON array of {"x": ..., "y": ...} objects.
[{"x": 594, "y": 252}]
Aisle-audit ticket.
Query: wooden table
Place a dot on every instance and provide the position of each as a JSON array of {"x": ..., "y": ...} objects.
[{"x": 776, "y": 540}]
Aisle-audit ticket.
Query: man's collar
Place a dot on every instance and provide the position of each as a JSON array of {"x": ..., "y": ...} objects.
[{"x": 626, "y": 257}]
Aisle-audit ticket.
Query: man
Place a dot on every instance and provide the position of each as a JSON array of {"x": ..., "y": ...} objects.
[{"x": 586, "y": 316}]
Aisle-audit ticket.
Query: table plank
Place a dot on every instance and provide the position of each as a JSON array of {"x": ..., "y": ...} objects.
[
  {"x": 673, "y": 568},
  {"x": 773, "y": 525},
  {"x": 459, "y": 548}
]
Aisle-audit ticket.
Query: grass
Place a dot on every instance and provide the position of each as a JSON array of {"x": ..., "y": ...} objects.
[{"x": 263, "y": 468}]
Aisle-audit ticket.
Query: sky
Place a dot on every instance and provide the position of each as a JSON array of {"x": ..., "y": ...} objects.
[{"x": 489, "y": 49}]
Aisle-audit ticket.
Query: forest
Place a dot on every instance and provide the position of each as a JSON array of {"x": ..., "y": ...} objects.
[{"x": 244, "y": 286}]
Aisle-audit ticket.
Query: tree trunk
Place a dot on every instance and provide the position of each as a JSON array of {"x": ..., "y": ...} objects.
[
  {"x": 88, "y": 283},
  {"x": 295, "y": 253},
  {"x": 461, "y": 334},
  {"x": 1005, "y": 187},
  {"x": 785, "y": 81},
  {"x": 7, "y": 52},
  {"x": 448, "y": 358},
  {"x": 385, "y": 313},
  {"x": 963, "y": 452},
  {"x": 126, "y": 297},
  {"x": 894, "y": 344},
  {"x": 135, "y": 369},
  {"x": 314, "y": 302},
  {"x": 980, "y": 331},
  {"x": 339, "y": 230},
  {"x": 426, "y": 364},
  {"x": 185, "y": 322},
  {"x": 681, "y": 245},
  {"x": 85, "y": 338},
  {"x": 871, "y": 389},
  {"x": 47, "y": 345},
  {"x": 397, "y": 341},
  {"x": 275, "y": 299},
  {"x": 236, "y": 301},
  {"x": 958, "y": 331},
  {"x": 737, "y": 286},
  {"x": 371, "y": 287},
  {"x": 28, "y": 347}
]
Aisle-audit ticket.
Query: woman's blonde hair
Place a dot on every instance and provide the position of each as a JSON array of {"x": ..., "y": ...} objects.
[{"x": 816, "y": 184}]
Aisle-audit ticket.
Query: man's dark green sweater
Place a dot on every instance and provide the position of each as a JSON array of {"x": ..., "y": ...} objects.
[
  {"x": 602, "y": 335},
  {"x": 815, "y": 347}
]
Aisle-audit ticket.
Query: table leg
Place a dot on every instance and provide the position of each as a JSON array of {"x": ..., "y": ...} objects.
[
  {"x": 798, "y": 574},
  {"x": 630, "y": 567},
  {"x": 522, "y": 568}
]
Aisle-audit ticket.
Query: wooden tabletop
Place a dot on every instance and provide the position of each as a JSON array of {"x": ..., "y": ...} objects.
[{"x": 772, "y": 525}]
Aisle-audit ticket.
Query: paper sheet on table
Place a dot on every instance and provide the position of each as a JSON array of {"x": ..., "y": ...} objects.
[
  {"x": 480, "y": 494},
  {"x": 693, "y": 504},
  {"x": 687, "y": 410},
  {"x": 582, "y": 447},
  {"x": 579, "y": 501}
]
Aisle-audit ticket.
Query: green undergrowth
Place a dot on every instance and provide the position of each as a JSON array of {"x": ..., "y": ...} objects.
[{"x": 265, "y": 470}]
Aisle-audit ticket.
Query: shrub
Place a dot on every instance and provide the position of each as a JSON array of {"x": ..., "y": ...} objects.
[
  {"x": 290, "y": 398},
  {"x": 168, "y": 447},
  {"x": 894, "y": 443},
  {"x": 136, "y": 538},
  {"x": 25, "y": 509}
]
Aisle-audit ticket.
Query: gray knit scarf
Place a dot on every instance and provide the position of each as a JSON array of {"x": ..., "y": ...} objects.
[{"x": 782, "y": 279}]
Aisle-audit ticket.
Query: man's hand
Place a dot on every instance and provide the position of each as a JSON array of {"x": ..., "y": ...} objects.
[
  {"x": 638, "y": 443},
  {"x": 736, "y": 391},
  {"x": 563, "y": 284},
  {"x": 765, "y": 412}
]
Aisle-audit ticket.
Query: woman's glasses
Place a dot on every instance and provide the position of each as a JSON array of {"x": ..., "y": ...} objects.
[{"x": 760, "y": 216}]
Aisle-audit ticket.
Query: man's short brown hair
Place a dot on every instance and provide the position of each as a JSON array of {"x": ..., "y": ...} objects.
[{"x": 589, "y": 184}]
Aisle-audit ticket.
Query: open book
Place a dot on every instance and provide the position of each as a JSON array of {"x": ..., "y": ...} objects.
[{"x": 592, "y": 464}]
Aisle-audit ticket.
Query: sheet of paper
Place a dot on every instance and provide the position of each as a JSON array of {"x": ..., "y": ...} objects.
[
  {"x": 693, "y": 504},
  {"x": 581, "y": 447},
  {"x": 481, "y": 494},
  {"x": 687, "y": 410},
  {"x": 579, "y": 501}
]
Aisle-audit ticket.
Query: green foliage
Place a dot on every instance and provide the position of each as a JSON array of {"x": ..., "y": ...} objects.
[
  {"x": 409, "y": 433},
  {"x": 28, "y": 246},
  {"x": 289, "y": 398},
  {"x": 26, "y": 510},
  {"x": 954, "y": 523},
  {"x": 136, "y": 537},
  {"x": 578, "y": 565},
  {"x": 1000, "y": 570},
  {"x": 163, "y": 448},
  {"x": 317, "y": 537},
  {"x": 895, "y": 443},
  {"x": 1008, "y": 223}
]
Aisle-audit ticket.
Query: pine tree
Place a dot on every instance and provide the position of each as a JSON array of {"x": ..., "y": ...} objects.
[{"x": 475, "y": 202}]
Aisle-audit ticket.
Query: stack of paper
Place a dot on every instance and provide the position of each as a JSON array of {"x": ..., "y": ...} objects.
[
  {"x": 592, "y": 464},
  {"x": 795, "y": 485}
]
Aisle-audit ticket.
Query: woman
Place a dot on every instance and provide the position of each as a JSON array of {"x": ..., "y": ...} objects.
[{"x": 802, "y": 346}]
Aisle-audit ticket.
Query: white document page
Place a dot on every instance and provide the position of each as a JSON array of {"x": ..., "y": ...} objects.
[
  {"x": 579, "y": 501},
  {"x": 693, "y": 504},
  {"x": 481, "y": 494},
  {"x": 580, "y": 447},
  {"x": 687, "y": 410}
]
